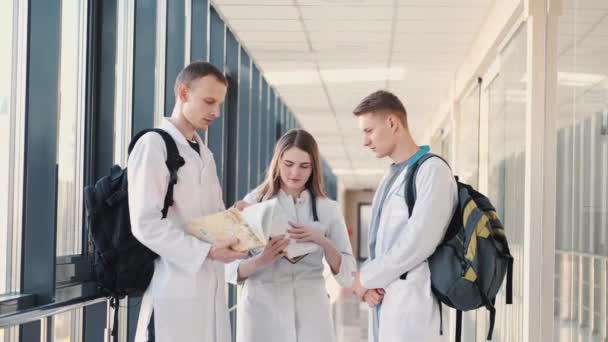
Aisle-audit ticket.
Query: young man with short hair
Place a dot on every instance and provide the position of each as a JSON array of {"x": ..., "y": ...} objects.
[
  {"x": 396, "y": 281},
  {"x": 187, "y": 291}
]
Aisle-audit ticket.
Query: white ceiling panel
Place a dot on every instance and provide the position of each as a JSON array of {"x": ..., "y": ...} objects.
[
  {"x": 434, "y": 26},
  {"x": 455, "y": 12},
  {"x": 345, "y": 3},
  {"x": 361, "y": 37},
  {"x": 263, "y": 27},
  {"x": 224, "y": 3},
  {"x": 273, "y": 37},
  {"x": 280, "y": 47},
  {"x": 348, "y": 25},
  {"x": 325, "y": 56},
  {"x": 259, "y": 12},
  {"x": 346, "y": 12}
]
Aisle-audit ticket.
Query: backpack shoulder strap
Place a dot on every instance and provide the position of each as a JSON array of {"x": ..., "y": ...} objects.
[
  {"x": 410, "y": 180},
  {"x": 174, "y": 161}
]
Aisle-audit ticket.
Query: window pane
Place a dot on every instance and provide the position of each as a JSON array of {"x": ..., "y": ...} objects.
[
  {"x": 71, "y": 118},
  {"x": 6, "y": 165},
  {"x": 506, "y": 158},
  {"x": 67, "y": 326},
  {"x": 468, "y": 144},
  {"x": 581, "y": 240}
]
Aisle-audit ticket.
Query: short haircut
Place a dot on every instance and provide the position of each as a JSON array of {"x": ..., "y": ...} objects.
[
  {"x": 382, "y": 102},
  {"x": 196, "y": 70}
]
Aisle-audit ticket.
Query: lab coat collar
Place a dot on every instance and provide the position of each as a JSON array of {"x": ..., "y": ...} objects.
[
  {"x": 304, "y": 196},
  {"x": 168, "y": 126}
]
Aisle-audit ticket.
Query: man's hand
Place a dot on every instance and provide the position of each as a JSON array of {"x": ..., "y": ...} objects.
[
  {"x": 358, "y": 290},
  {"x": 373, "y": 297},
  {"x": 222, "y": 251}
]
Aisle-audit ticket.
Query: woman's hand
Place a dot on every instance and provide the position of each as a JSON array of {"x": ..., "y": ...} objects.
[
  {"x": 240, "y": 205},
  {"x": 304, "y": 233},
  {"x": 274, "y": 250}
]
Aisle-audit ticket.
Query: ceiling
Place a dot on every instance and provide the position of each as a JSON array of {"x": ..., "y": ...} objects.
[{"x": 324, "y": 56}]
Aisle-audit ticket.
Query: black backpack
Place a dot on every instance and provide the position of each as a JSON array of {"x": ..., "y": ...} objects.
[
  {"x": 469, "y": 265},
  {"x": 122, "y": 266}
]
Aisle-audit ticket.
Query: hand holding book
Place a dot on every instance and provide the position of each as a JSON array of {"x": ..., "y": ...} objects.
[
  {"x": 274, "y": 250},
  {"x": 225, "y": 225},
  {"x": 303, "y": 233}
]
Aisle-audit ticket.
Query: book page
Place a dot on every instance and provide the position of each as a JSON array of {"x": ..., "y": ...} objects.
[
  {"x": 280, "y": 225},
  {"x": 224, "y": 225}
]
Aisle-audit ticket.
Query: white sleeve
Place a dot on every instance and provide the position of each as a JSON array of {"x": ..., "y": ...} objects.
[
  {"x": 252, "y": 197},
  {"x": 338, "y": 234},
  {"x": 148, "y": 180},
  {"x": 435, "y": 203},
  {"x": 232, "y": 271}
]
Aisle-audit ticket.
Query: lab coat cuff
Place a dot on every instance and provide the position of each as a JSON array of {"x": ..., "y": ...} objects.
[
  {"x": 197, "y": 263},
  {"x": 367, "y": 277},
  {"x": 344, "y": 276},
  {"x": 232, "y": 272}
]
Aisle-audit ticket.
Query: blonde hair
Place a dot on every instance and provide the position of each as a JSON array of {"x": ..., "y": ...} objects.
[{"x": 304, "y": 141}]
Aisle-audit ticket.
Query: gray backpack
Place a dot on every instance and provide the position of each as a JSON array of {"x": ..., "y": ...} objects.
[{"x": 469, "y": 265}]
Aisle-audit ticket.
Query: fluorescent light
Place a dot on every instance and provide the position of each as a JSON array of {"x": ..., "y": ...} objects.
[
  {"x": 362, "y": 75},
  {"x": 351, "y": 75},
  {"x": 575, "y": 79},
  {"x": 293, "y": 77}
]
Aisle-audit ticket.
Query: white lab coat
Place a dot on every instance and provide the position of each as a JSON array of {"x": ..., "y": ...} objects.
[
  {"x": 187, "y": 291},
  {"x": 409, "y": 311},
  {"x": 289, "y": 302}
]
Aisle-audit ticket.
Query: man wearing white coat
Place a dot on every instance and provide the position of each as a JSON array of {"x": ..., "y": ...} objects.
[
  {"x": 187, "y": 291},
  {"x": 396, "y": 281}
]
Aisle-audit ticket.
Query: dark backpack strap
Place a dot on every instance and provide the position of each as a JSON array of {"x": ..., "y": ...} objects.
[
  {"x": 440, "y": 318},
  {"x": 115, "y": 304},
  {"x": 458, "y": 336},
  {"x": 492, "y": 320},
  {"x": 489, "y": 304},
  {"x": 410, "y": 180},
  {"x": 509, "y": 294},
  {"x": 313, "y": 202},
  {"x": 174, "y": 162},
  {"x": 410, "y": 187}
]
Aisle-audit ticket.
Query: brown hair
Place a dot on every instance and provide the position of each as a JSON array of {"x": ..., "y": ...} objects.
[
  {"x": 303, "y": 140},
  {"x": 382, "y": 102},
  {"x": 196, "y": 70}
]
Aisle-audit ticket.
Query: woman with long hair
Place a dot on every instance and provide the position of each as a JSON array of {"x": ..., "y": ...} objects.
[{"x": 283, "y": 300}]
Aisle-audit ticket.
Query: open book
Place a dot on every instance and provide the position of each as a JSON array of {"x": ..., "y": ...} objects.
[
  {"x": 295, "y": 250},
  {"x": 227, "y": 224}
]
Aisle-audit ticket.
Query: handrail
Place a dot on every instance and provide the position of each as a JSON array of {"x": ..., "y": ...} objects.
[
  {"x": 66, "y": 298},
  {"x": 40, "y": 312}
]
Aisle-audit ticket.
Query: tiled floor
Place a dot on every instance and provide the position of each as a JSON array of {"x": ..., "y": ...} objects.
[{"x": 351, "y": 318}]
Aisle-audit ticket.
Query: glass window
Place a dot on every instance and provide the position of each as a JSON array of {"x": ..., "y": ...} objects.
[
  {"x": 468, "y": 144},
  {"x": 6, "y": 122},
  {"x": 70, "y": 128},
  {"x": 67, "y": 326},
  {"x": 506, "y": 158},
  {"x": 581, "y": 240}
]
